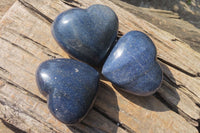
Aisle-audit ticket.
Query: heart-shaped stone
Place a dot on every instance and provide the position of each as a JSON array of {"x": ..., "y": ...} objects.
[
  {"x": 132, "y": 64},
  {"x": 86, "y": 34},
  {"x": 70, "y": 87}
]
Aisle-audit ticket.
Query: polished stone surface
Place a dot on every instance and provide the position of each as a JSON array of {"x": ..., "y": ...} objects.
[
  {"x": 70, "y": 87},
  {"x": 86, "y": 34},
  {"x": 132, "y": 64}
]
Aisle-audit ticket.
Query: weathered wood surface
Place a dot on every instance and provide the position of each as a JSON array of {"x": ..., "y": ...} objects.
[
  {"x": 26, "y": 41},
  {"x": 185, "y": 27},
  {"x": 4, "y": 6}
]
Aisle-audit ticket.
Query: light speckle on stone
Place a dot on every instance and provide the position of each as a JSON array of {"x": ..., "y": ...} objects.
[{"x": 76, "y": 70}]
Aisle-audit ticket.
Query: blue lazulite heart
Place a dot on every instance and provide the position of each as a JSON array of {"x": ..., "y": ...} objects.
[
  {"x": 86, "y": 34},
  {"x": 132, "y": 64},
  {"x": 70, "y": 87}
]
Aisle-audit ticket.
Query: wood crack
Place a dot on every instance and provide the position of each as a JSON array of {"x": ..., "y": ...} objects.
[
  {"x": 4, "y": 70},
  {"x": 21, "y": 88},
  {"x": 32, "y": 8},
  {"x": 176, "y": 109},
  {"x": 177, "y": 68},
  {"x": 76, "y": 129},
  {"x": 172, "y": 83},
  {"x": 87, "y": 125},
  {"x": 190, "y": 95},
  {"x": 16, "y": 109},
  {"x": 12, "y": 127},
  {"x": 45, "y": 49},
  {"x": 17, "y": 46},
  {"x": 70, "y": 3},
  {"x": 129, "y": 130},
  {"x": 7, "y": 72}
]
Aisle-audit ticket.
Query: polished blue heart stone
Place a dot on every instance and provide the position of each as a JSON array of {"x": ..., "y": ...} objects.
[
  {"x": 132, "y": 64},
  {"x": 86, "y": 34},
  {"x": 70, "y": 87}
]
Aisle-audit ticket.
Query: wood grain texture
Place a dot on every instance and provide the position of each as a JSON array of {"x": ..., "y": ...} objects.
[
  {"x": 4, "y": 6},
  {"x": 163, "y": 40},
  {"x": 26, "y": 41}
]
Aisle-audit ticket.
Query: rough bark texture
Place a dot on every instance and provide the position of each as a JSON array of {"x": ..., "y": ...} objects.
[{"x": 26, "y": 41}]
